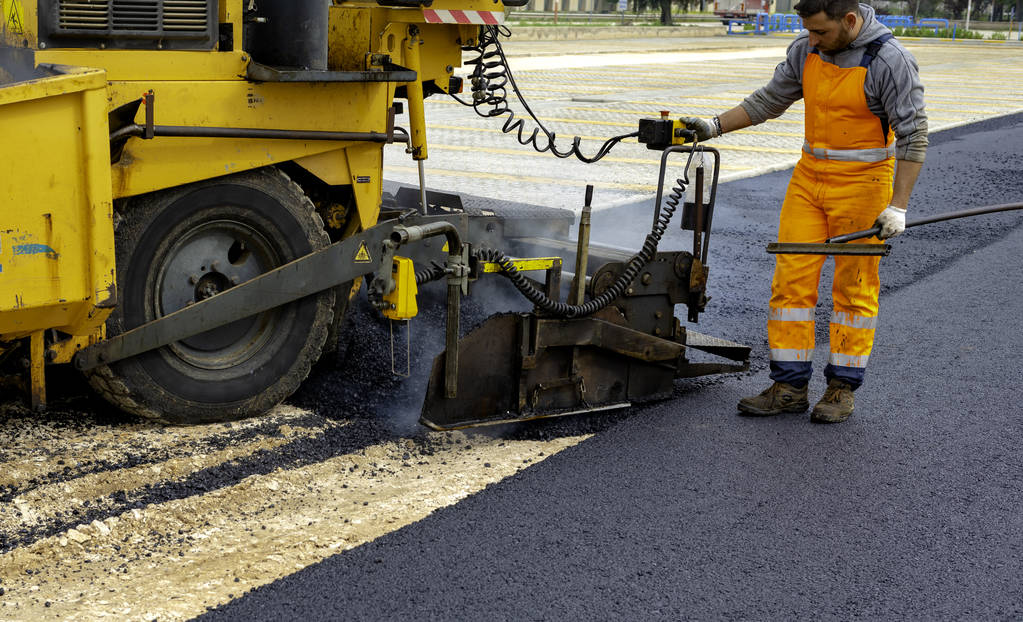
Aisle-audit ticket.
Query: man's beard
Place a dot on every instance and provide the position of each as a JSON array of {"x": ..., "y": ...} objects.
[{"x": 844, "y": 39}]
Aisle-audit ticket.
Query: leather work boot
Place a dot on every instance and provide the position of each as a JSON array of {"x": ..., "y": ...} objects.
[
  {"x": 836, "y": 405},
  {"x": 778, "y": 398}
]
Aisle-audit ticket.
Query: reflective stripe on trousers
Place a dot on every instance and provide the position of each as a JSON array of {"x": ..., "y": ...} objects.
[
  {"x": 790, "y": 315},
  {"x": 852, "y": 338},
  {"x": 846, "y": 360},
  {"x": 790, "y": 331},
  {"x": 791, "y": 355},
  {"x": 853, "y": 321}
]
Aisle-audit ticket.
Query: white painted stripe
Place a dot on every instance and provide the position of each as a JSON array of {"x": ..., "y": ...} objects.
[
  {"x": 853, "y": 321},
  {"x": 848, "y": 360},
  {"x": 471, "y": 17},
  {"x": 177, "y": 558},
  {"x": 675, "y": 59},
  {"x": 792, "y": 314},
  {"x": 791, "y": 355}
]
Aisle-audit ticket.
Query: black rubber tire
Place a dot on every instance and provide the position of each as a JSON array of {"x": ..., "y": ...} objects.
[
  {"x": 236, "y": 371},
  {"x": 342, "y": 300}
]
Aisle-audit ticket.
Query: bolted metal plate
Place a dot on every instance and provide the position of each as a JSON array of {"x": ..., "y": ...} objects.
[
  {"x": 718, "y": 346},
  {"x": 521, "y": 367},
  {"x": 488, "y": 372}
]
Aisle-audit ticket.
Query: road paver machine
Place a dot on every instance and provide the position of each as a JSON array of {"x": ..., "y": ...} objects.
[{"x": 191, "y": 194}]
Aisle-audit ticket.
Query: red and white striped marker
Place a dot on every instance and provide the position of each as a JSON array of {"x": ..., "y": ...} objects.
[{"x": 443, "y": 16}]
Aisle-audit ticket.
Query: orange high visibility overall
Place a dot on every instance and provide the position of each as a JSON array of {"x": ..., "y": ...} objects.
[{"x": 842, "y": 182}]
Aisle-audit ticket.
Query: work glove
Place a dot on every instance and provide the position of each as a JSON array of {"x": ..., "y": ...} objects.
[
  {"x": 892, "y": 222},
  {"x": 704, "y": 129}
]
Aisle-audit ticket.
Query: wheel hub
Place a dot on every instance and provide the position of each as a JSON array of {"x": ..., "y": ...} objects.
[
  {"x": 211, "y": 284},
  {"x": 209, "y": 259}
]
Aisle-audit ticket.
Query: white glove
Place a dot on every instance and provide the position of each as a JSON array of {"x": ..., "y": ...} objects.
[
  {"x": 705, "y": 130},
  {"x": 892, "y": 222}
]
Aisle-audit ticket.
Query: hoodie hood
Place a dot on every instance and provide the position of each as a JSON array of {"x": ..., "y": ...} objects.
[{"x": 872, "y": 29}]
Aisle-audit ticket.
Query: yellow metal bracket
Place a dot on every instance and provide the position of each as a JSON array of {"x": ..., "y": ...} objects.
[
  {"x": 401, "y": 302},
  {"x": 37, "y": 370},
  {"x": 414, "y": 90},
  {"x": 523, "y": 265},
  {"x": 65, "y": 350}
]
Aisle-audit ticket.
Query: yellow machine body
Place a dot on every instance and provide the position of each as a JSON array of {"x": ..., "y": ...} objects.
[
  {"x": 58, "y": 183},
  {"x": 117, "y": 123},
  {"x": 402, "y": 301},
  {"x": 56, "y": 249},
  {"x": 56, "y": 229},
  {"x": 524, "y": 265},
  {"x": 208, "y": 88}
]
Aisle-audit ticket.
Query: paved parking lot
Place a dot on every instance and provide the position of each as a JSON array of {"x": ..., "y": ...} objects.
[{"x": 599, "y": 89}]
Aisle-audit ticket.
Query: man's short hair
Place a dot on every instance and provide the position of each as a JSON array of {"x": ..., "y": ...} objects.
[{"x": 835, "y": 9}]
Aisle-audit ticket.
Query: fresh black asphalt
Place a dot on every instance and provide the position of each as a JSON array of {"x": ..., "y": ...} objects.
[{"x": 683, "y": 510}]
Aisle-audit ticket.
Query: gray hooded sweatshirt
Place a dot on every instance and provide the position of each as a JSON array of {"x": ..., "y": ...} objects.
[{"x": 893, "y": 88}]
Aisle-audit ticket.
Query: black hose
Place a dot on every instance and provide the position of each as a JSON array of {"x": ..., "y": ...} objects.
[
  {"x": 556, "y": 308},
  {"x": 434, "y": 272},
  {"x": 977, "y": 211},
  {"x": 662, "y": 217},
  {"x": 616, "y": 289},
  {"x": 489, "y": 79}
]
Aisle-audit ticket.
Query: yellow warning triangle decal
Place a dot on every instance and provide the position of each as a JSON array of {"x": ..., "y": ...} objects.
[
  {"x": 12, "y": 18},
  {"x": 362, "y": 255}
]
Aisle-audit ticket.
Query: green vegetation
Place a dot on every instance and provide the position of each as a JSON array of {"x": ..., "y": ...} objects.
[
  {"x": 946, "y": 33},
  {"x": 943, "y": 33}
]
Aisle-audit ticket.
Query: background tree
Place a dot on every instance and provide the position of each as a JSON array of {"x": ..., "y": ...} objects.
[
  {"x": 956, "y": 9},
  {"x": 926, "y": 8},
  {"x": 664, "y": 7}
]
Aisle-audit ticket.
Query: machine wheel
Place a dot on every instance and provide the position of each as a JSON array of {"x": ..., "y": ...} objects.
[
  {"x": 342, "y": 300},
  {"x": 185, "y": 244}
]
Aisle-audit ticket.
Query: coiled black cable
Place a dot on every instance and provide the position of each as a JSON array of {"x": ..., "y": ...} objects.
[
  {"x": 433, "y": 272},
  {"x": 662, "y": 217},
  {"x": 565, "y": 310},
  {"x": 616, "y": 289},
  {"x": 561, "y": 309},
  {"x": 490, "y": 78}
]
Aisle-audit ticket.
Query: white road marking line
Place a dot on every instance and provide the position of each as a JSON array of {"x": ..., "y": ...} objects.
[{"x": 173, "y": 560}]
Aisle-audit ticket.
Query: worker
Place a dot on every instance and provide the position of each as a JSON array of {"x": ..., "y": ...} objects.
[{"x": 861, "y": 88}]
